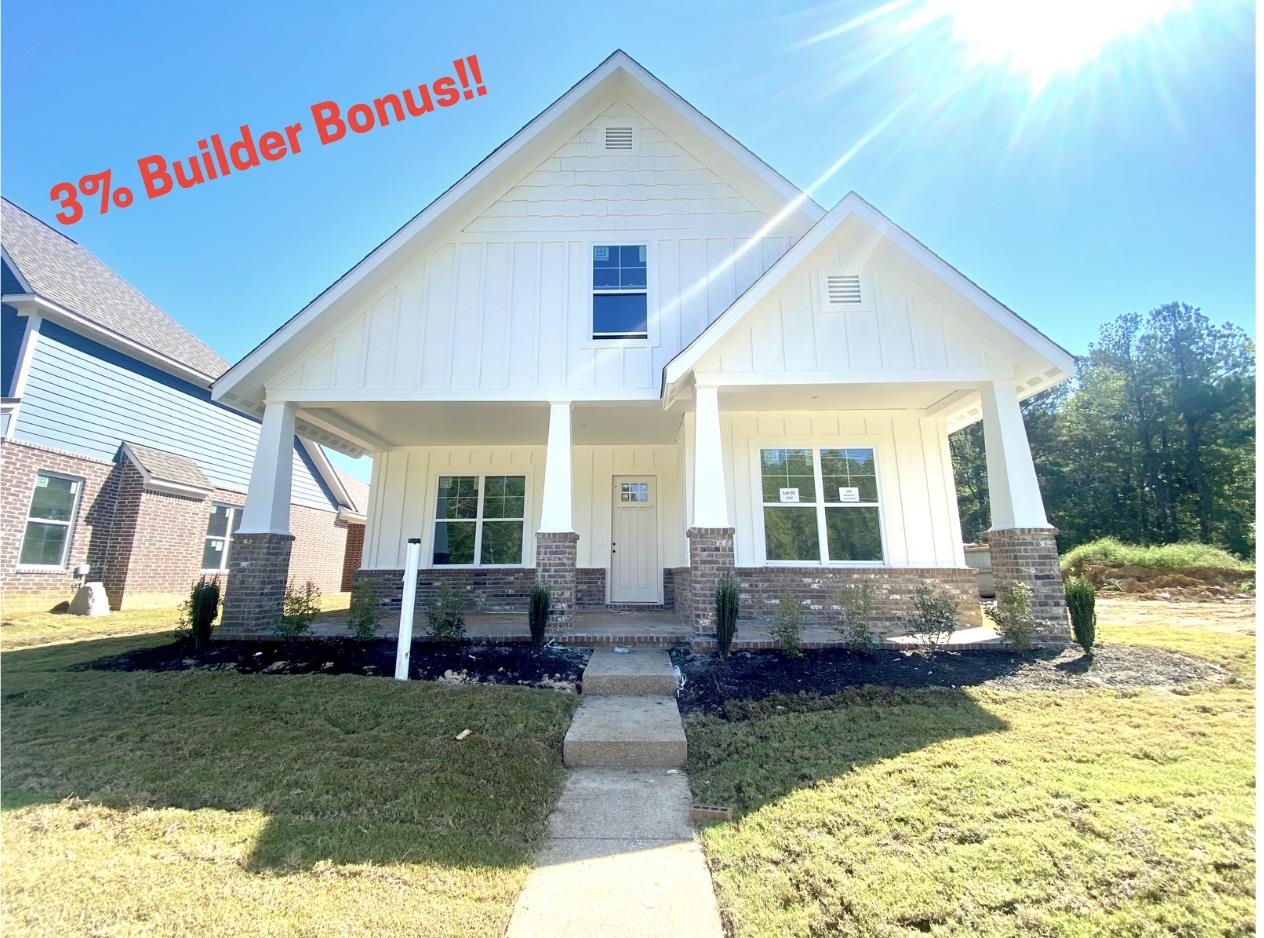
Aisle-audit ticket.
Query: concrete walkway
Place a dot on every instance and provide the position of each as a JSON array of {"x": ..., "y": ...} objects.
[{"x": 620, "y": 858}]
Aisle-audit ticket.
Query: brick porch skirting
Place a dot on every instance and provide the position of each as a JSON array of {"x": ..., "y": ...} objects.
[
  {"x": 1031, "y": 555},
  {"x": 259, "y": 567}
]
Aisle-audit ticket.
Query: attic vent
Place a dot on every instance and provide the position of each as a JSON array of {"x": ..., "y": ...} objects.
[
  {"x": 842, "y": 290},
  {"x": 618, "y": 138}
]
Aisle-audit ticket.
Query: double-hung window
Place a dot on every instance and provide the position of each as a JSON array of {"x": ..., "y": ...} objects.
[
  {"x": 46, "y": 542},
  {"x": 220, "y": 528},
  {"x": 820, "y": 506},
  {"x": 620, "y": 305},
  {"x": 479, "y": 520}
]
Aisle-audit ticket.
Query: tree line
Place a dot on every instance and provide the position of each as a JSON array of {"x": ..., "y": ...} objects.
[{"x": 1152, "y": 442}]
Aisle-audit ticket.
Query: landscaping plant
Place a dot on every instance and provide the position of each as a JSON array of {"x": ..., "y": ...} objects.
[
  {"x": 364, "y": 613},
  {"x": 445, "y": 614},
  {"x": 298, "y": 609},
  {"x": 199, "y": 610},
  {"x": 787, "y": 630},
  {"x": 855, "y": 606},
  {"x": 726, "y": 606},
  {"x": 538, "y": 612},
  {"x": 1012, "y": 614},
  {"x": 933, "y": 619},
  {"x": 1081, "y": 600}
]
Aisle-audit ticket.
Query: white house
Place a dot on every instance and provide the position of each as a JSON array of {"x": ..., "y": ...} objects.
[{"x": 623, "y": 355}]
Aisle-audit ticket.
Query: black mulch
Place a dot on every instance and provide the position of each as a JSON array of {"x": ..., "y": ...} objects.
[
  {"x": 518, "y": 663},
  {"x": 754, "y": 675}
]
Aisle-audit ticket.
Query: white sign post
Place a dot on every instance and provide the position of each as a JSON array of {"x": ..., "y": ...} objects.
[{"x": 412, "y": 560}]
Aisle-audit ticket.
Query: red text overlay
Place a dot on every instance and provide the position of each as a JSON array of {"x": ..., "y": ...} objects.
[{"x": 219, "y": 155}]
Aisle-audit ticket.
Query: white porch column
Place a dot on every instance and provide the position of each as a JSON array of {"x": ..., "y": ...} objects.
[
  {"x": 555, "y": 514},
  {"x": 1012, "y": 487},
  {"x": 710, "y": 501},
  {"x": 268, "y": 498}
]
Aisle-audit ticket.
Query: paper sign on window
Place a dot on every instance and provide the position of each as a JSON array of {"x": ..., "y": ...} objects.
[
  {"x": 789, "y": 495},
  {"x": 41, "y": 482},
  {"x": 848, "y": 494}
]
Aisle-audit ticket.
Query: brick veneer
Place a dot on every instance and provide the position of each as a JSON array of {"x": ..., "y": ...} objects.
[
  {"x": 1031, "y": 555},
  {"x": 486, "y": 589},
  {"x": 678, "y": 577},
  {"x": 258, "y": 568},
  {"x": 590, "y": 588},
  {"x": 710, "y": 557},
  {"x": 352, "y": 555},
  {"x": 556, "y": 554}
]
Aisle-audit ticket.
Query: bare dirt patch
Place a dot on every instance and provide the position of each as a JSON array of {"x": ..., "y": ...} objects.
[
  {"x": 1159, "y": 583},
  {"x": 1235, "y": 615}
]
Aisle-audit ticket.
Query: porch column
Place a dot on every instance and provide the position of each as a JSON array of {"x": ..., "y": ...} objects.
[
  {"x": 710, "y": 533},
  {"x": 556, "y": 542},
  {"x": 1023, "y": 545},
  {"x": 259, "y": 557}
]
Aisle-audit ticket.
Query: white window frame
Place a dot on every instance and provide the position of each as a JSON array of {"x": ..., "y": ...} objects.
[
  {"x": 650, "y": 339},
  {"x": 69, "y": 525},
  {"x": 227, "y": 538},
  {"x": 822, "y": 535},
  {"x": 478, "y": 519}
]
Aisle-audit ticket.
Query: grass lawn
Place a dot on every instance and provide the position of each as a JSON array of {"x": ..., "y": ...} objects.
[
  {"x": 977, "y": 812},
  {"x": 222, "y": 804}
]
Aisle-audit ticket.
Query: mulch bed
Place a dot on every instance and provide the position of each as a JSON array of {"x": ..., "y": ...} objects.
[
  {"x": 554, "y": 667},
  {"x": 754, "y": 675}
]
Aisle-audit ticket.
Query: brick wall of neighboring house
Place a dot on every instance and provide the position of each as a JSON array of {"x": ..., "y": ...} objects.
[
  {"x": 320, "y": 546},
  {"x": 353, "y": 556}
]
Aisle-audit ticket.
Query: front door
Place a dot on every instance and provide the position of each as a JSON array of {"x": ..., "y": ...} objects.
[{"x": 634, "y": 572}]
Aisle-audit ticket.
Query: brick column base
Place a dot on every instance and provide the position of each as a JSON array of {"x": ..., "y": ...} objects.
[
  {"x": 710, "y": 557},
  {"x": 258, "y": 570},
  {"x": 1031, "y": 555},
  {"x": 556, "y": 554}
]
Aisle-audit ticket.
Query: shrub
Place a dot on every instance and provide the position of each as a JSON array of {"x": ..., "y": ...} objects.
[
  {"x": 1081, "y": 600},
  {"x": 538, "y": 612},
  {"x": 1013, "y": 616},
  {"x": 726, "y": 607},
  {"x": 199, "y": 611},
  {"x": 855, "y": 604},
  {"x": 933, "y": 619},
  {"x": 298, "y": 609},
  {"x": 445, "y": 613},
  {"x": 787, "y": 630},
  {"x": 365, "y": 612},
  {"x": 1167, "y": 556}
]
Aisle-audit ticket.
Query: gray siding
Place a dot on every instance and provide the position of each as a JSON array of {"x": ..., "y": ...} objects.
[{"x": 87, "y": 399}]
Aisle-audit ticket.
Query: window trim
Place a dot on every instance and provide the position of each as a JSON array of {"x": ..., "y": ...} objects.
[
  {"x": 70, "y": 525},
  {"x": 227, "y": 539},
  {"x": 757, "y": 498},
  {"x": 650, "y": 339},
  {"x": 482, "y": 474}
]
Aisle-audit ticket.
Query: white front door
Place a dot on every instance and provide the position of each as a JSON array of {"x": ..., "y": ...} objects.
[{"x": 634, "y": 571}]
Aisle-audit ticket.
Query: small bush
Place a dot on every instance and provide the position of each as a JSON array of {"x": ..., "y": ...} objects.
[
  {"x": 198, "y": 612},
  {"x": 538, "y": 612},
  {"x": 787, "y": 630},
  {"x": 855, "y": 604},
  {"x": 1081, "y": 600},
  {"x": 933, "y": 620},
  {"x": 726, "y": 608},
  {"x": 298, "y": 609},
  {"x": 365, "y": 612},
  {"x": 445, "y": 613},
  {"x": 1167, "y": 556},
  {"x": 1013, "y": 616}
]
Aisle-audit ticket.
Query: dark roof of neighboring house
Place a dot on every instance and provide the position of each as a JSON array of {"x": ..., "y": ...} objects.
[
  {"x": 168, "y": 467},
  {"x": 66, "y": 273},
  {"x": 357, "y": 491}
]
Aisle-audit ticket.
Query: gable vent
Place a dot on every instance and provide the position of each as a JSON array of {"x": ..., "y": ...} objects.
[
  {"x": 618, "y": 138},
  {"x": 842, "y": 290}
]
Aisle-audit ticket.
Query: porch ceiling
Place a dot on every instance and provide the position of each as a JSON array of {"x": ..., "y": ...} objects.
[{"x": 875, "y": 396}]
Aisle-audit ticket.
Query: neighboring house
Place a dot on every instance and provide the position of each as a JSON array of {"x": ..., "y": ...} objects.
[
  {"x": 624, "y": 356},
  {"x": 114, "y": 454}
]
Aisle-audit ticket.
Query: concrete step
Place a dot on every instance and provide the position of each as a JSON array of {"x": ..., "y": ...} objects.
[
  {"x": 640, "y": 671},
  {"x": 636, "y": 731}
]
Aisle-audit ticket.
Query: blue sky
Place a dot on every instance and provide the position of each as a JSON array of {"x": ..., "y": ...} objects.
[{"x": 1115, "y": 186}]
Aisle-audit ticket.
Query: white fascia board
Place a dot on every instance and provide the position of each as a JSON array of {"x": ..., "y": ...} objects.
[
  {"x": 351, "y": 517},
  {"x": 33, "y": 304}
]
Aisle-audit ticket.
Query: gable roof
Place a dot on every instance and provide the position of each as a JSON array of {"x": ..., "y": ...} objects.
[
  {"x": 57, "y": 269},
  {"x": 520, "y": 153},
  {"x": 852, "y": 204},
  {"x": 167, "y": 472}
]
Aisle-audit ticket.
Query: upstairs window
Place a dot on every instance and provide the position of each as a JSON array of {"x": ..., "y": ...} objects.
[
  {"x": 620, "y": 309},
  {"x": 46, "y": 541}
]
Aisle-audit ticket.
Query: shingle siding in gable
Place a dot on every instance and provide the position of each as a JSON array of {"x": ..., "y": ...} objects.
[
  {"x": 12, "y": 329},
  {"x": 87, "y": 399}
]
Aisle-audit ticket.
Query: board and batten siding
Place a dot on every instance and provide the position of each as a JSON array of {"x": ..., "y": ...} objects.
[
  {"x": 405, "y": 485},
  {"x": 84, "y": 398},
  {"x": 505, "y": 301}
]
